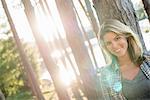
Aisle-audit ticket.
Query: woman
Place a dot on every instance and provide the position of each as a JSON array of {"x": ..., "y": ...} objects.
[{"x": 127, "y": 73}]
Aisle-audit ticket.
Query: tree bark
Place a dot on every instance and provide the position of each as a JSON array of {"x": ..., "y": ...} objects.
[
  {"x": 147, "y": 7},
  {"x": 75, "y": 39},
  {"x": 45, "y": 52},
  {"x": 121, "y": 10},
  {"x": 27, "y": 65},
  {"x": 92, "y": 17}
]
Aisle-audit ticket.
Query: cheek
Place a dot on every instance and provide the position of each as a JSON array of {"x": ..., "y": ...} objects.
[
  {"x": 125, "y": 44},
  {"x": 109, "y": 49}
]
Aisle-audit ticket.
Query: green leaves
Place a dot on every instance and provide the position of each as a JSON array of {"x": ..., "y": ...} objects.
[{"x": 10, "y": 67}]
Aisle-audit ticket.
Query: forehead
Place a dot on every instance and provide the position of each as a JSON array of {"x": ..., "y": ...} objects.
[{"x": 109, "y": 36}]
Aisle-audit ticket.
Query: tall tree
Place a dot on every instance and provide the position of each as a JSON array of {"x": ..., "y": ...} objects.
[
  {"x": 91, "y": 16},
  {"x": 45, "y": 52},
  {"x": 75, "y": 40},
  {"x": 119, "y": 9},
  {"x": 27, "y": 65},
  {"x": 147, "y": 7}
]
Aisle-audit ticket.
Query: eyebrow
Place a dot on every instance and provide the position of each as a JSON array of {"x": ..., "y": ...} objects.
[
  {"x": 113, "y": 38},
  {"x": 117, "y": 35}
]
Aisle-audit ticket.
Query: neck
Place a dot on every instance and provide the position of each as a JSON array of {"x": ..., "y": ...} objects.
[{"x": 125, "y": 60}]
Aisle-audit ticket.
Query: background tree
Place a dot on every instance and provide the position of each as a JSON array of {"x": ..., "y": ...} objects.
[
  {"x": 45, "y": 51},
  {"x": 12, "y": 76},
  {"x": 147, "y": 7},
  {"x": 76, "y": 42},
  {"x": 14, "y": 82},
  {"x": 25, "y": 62}
]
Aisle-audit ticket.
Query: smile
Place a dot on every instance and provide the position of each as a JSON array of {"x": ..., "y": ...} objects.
[{"x": 117, "y": 50}]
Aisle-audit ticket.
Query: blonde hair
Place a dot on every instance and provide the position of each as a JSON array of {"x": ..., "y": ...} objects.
[{"x": 134, "y": 46}]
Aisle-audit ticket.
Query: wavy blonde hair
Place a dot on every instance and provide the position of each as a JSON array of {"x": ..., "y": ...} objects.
[{"x": 134, "y": 46}]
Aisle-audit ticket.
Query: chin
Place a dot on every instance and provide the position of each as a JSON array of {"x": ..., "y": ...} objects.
[{"x": 120, "y": 55}]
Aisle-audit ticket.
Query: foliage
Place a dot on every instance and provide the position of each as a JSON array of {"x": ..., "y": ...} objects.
[
  {"x": 12, "y": 78},
  {"x": 11, "y": 74},
  {"x": 23, "y": 95}
]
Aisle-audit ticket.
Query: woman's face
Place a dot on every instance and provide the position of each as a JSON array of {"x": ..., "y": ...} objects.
[{"x": 116, "y": 44}]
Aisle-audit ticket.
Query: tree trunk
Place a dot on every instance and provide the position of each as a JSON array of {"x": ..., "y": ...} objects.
[
  {"x": 85, "y": 35},
  {"x": 27, "y": 65},
  {"x": 92, "y": 17},
  {"x": 147, "y": 7},
  {"x": 121, "y": 10},
  {"x": 45, "y": 52},
  {"x": 77, "y": 45}
]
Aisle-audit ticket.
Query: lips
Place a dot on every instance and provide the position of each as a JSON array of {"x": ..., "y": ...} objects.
[{"x": 118, "y": 50}]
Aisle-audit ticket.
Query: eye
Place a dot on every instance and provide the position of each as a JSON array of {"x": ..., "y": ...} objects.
[{"x": 118, "y": 38}]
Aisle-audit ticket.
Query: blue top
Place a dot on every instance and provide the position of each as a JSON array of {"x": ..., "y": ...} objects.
[{"x": 110, "y": 86}]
